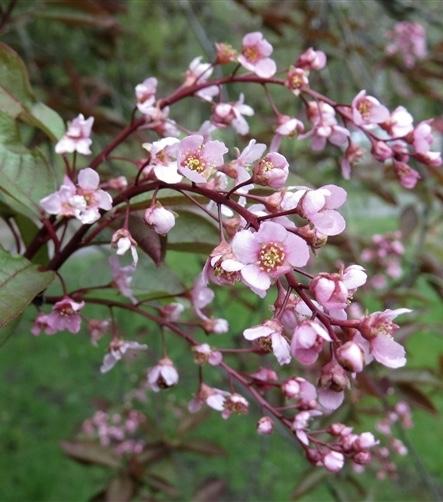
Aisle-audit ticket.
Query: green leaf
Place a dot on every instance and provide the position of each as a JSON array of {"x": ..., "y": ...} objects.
[
  {"x": 193, "y": 233},
  {"x": 20, "y": 282},
  {"x": 25, "y": 175},
  {"x": 17, "y": 99}
]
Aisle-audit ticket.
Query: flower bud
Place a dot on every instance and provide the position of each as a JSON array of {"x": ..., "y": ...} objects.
[
  {"x": 160, "y": 218},
  {"x": 334, "y": 461},
  {"x": 291, "y": 388},
  {"x": 272, "y": 170},
  {"x": 365, "y": 441},
  {"x": 351, "y": 357},
  {"x": 381, "y": 151},
  {"x": 362, "y": 458},
  {"x": 225, "y": 53},
  {"x": 265, "y": 426}
]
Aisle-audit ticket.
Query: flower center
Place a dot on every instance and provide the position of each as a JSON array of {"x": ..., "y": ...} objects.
[
  {"x": 364, "y": 107},
  {"x": 266, "y": 166},
  {"x": 251, "y": 54},
  {"x": 195, "y": 163},
  {"x": 65, "y": 311},
  {"x": 265, "y": 343},
  {"x": 271, "y": 256}
]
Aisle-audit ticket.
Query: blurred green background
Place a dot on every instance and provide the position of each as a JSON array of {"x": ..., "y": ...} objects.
[{"x": 86, "y": 56}]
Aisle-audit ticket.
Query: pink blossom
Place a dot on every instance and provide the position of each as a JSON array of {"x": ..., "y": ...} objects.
[
  {"x": 64, "y": 316},
  {"x": 265, "y": 426},
  {"x": 325, "y": 126},
  {"x": 296, "y": 79},
  {"x": 400, "y": 123},
  {"x": 163, "y": 375},
  {"x": 422, "y": 138},
  {"x": 199, "y": 72},
  {"x": 77, "y": 137},
  {"x": 232, "y": 403},
  {"x": 160, "y": 218},
  {"x": 307, "y": 341},
  {"x": 301, "y": 422},
  {"x": 204, "y": 354},
  {"x": 214, "y": 269},
  {"x": 118, "y": 183},
  {"x": 269, "y": 337},
  {"x": 42, "y": 323},
  {"x": 83, "y": 201},
  {"x": 255, "y": 55},
  {"x": 119, "y": 349},
  {"x": 352, "y": 156},
  {"x": 408, "y": 39},
  {"x": 302, "y": 390},
  {"x": 122, "y": 277},
  {"x": 318, "y": 206},
  {"x": 225, "y": 53},
  {"x": 367, "y": 110},
  {"x": 122, "y": 240},
  {"x": 312, "y": 60},
  {"x": 163, "y": 162},
  {"x": 272, "y": 170},
  {"x": 351, "y": 357},
  {"x": 226, "y": 114},
  {"x": 145, "y": 94},
  {"x": 408, "y": 177},
  {"x": 333, "y": 381},
  {"x": 334, "y": 290},
  {"x": 378, "y": 329},
  {"x": 289, "y": 126},
  {"x": 197, "y": 159},
  {"x": 239, "y": 168},
  {"x": 381, "y": 151},
  {"x": 334, "y": 461},
  {"x": 172, "y": 311},
  {"x": 267, "y": 254},
  {"x": 97, "y": 329},
  {"x": 215, "y": 325},
  {"x": 212, "y": 397}
]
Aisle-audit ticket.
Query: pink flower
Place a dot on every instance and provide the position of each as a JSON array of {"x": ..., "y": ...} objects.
[
  {"x": 163, "y": 375},
  {"x": 325, "y": 126},
  {"x": 307, "y": 341},
  {"x": 119, "y": 349},
  {"x": 199, "y": 72},
  {"x": 351, "y": 357},
  {"x": 77, "y": 137},
  {"x": 289, "y": 126},
  {"x": 302, "y": 390},
  {"x": 378, "y": 329},
  {"x": 42, "y": 323},
  {"x": 312, "y": 60},
  {"x": 408, "y": 177},
  {"x": 239, "y": 168},
  {"x": 333, "y": 290},
  {"x": 97, "y": 329},
  {"x": 334, "y": 461},
  {"x": 145, "y": 94},
  {"x": 318, "y": 206},
  {"x": 255, "y": 55},
  {"x": 197, "y": 159},
  {"x": 122, "y": 240},
  {"x": 163, "y": 160},
  {"x": 212, "y": 397},
  {"x": 296, "y": 79},
  {"x": 272, "y": 170},
  {"x": 409, "y": 40},
  {"x": 160, "y": 218},
  {"x": 122, "y": 277},
  {"x": 64, "y": 316},
  {"x": 214, "y": 270},
  {"x": 226, "y": 114},
  {"x": 265, "y": 426},
  {"x": 267, "y": 254},
  {"x": 232, "y": 403},
  {"x": 172, "y": 311},
  {"x": 422, "y": 137},
  {"x": 301, "y": 422},
  {"x": 400, "y": 123},
  {"x": 269, "y": 337},
  {"x": 83, "y": 201},
  {"x": 367, "y": 110},
  {"x": 204, "y": 354}
]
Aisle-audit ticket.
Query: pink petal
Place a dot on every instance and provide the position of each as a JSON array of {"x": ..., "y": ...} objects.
[
  {"x": 257, "y": 332},
  {"x": 337, "y": 198},
  {"x": 280, "y": 347},
  {"x": 270, "y": 231},
  {"x": 330, "y": 399},
  {"x": 388, "y": 352},
  {"x": 255, "y": 277},
  {"x": 88, "y": 179},
  {"x": 213, "y": 152},
  {"x": 265, "y": 68},
  {"x": 244, "y": 246},
  {"x": 297, "y": 250},
  {"x": 328, "y": 222}
]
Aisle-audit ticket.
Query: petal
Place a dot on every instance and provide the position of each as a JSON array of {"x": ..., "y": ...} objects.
[
  {"x": 330, "y": 399},
  {"x": 255, "y": 277},
  {"x": 104, "y": 200},
  {"x": 169, "y": 374},
  {"x": 231, "y": 265},
  {"x": 337, "y": 198},
  {"x": 244, "y": 246},
  {"x": 88, "y": 179},
  {"x": 257, "y": 332},
  {"x": 167, "y": 173},
  {"x": 305, "y": 356},
  {"x": 297, "y": 250},
  {"x": 388, "y": 352},
  {"x": 280, "y": 347},
  {"x": 109, "y": 361},
  {"x": 328, "y": 222},
  {"x": 270, "y": 231},
  {"x": 265, "y": 68},
  {"x": 213, "y": 152},
  {"x": 216, "y": 402}
]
